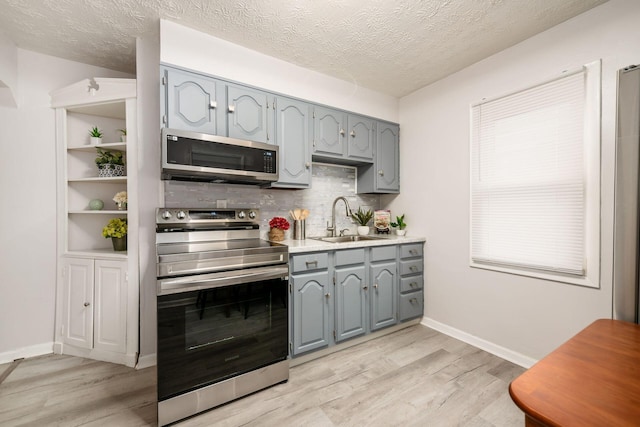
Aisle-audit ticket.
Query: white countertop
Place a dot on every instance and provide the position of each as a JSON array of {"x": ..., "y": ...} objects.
[{"x": 312, "y": 245}]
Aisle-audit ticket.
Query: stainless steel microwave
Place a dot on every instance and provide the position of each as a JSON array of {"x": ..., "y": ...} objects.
[{"x": 202, "y": 157}]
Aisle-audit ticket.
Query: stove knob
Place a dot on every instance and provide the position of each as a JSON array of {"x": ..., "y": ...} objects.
[
  {"x": 166, "y": 215},
  {"x": 252, "y": 215},
  {"x": 241, "y": 215},
  {"x": 181, "y": 215}
]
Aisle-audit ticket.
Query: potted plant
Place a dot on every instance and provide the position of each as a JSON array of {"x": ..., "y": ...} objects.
[
  {"x": 400, "y": 224},
  {"x": 278, "y": 226},
  {"x": 121, "y": 200},
  {"x": 123, "y": 135},
  {"x": 95, "y": 135},
  {"x": 116, "y": 229},
  {"x": 362, "y": 218},
  {"x": 110, "y": 163}
]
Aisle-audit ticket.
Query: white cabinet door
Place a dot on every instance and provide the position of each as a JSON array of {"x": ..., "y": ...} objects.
[
  {"x": 78, "y": 302},
  {"x": 110, "y": 312}
]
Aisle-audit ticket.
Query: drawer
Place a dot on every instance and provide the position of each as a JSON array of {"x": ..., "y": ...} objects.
[
  {"x": 349, "y": 256},
  {"x": 411, "y": 305},
  {"x": 410, "y": 251},
  {"x": 412, "y": 266},
  {"x": 308, "y": 262},
  {"x": 383, "y": 253},
  {"x": 411, "y": 283}
]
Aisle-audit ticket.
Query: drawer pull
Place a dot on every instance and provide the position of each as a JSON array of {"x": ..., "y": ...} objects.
[
  {"x": 413, "y": 252},
  {"x": 413, "y": 268},
  {"x": 413, "y": 300},
  {"x": 311, "y": 264},
  {"x": 413, "y": 284}
]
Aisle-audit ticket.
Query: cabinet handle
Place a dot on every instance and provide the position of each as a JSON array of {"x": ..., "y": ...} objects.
[
  {"x": 413, "y": 252},
  {"x": 365, "y": 287},
  {"x": 381, "y": 172},
  {"x": 375, "y": 285},
  {"x": 342, "y": 132},
  {"x": 307, "y": 165},
  {"x": 353, "y": 133},
  {"x": 311, "y": 264},
  {"x": 213, "y": 104},
  {"x": 413, "y": 268},
  {"x": 328, "y": 295},
  {"x": 86, "y": 304},
  {"x": 413, "y": 284},
  {"x": 232, "y": 108},
  {"x": 413, "y": 300}
]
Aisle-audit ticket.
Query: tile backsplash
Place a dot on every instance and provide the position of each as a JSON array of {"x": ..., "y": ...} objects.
[{"x": 327, "y": 183}]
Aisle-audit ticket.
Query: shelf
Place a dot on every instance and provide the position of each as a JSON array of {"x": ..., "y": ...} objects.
[
  {"x": 98, "y": 253},
  {"x": 100, "y": 212},
  {"x": 114, "y": 146},
  {"x": 115, "y": 180}
]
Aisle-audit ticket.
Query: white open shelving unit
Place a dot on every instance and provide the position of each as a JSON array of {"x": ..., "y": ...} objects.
[{"x": 98, "y": 288}]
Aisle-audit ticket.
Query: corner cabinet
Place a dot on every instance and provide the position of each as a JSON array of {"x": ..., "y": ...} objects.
[
  {"x": 98, "y": 293},
  {"x": 384, "y": 175}
]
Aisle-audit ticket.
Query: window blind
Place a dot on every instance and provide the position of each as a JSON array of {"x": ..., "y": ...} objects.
[{"x": 528, "y": 178}]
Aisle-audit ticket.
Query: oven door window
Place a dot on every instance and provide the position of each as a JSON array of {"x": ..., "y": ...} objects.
[{"x": 210, "y": 335}]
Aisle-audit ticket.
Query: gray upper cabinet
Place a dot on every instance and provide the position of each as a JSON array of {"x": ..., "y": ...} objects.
[
  {"x": 360, "y": 137},
  {"x": 328, "y": 132},
  {"x": 192, "y": 102},
  {"x": 249, "y": 114},
  {"x": 293, "y": 133},
  {"x": 384, "y": 175}
]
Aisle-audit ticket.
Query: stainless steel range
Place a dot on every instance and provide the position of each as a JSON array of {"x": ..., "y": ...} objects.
[{"x": 222, "y": 309}]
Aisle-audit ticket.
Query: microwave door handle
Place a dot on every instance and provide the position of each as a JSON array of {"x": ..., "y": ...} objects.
[{"x": 217, "y": 280}]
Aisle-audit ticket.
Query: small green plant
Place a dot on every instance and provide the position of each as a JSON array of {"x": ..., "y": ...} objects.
[
  {"x": 399, "y": 222},
  {"x": 117, "y": 227},
  {"x": 123, "y": 132},
  {"x": 109, "y": 158},
  {"x": 95, "y": 132},
  {"x": 362, "y": 217}
]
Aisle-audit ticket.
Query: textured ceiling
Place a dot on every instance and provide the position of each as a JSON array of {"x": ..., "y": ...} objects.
[{"x": 394, "y": 47}]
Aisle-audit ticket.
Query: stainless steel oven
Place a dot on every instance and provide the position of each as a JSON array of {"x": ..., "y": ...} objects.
[{"x": 222, "y": 309}]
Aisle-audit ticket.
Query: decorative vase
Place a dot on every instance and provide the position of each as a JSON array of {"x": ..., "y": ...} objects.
[
  {"x": 276, "y": 235},
  {"x": 96, "y": 205},
  {"x": 110, "y": 170},
  {"x": 119, "y": 243},
  {"x": 122, "y": 206},
  {"x": 123, "y": 138},
  {"x": 401, "y": 232},
  {"x": 95, "y": 140},
  {"x": 363, "y": 230}
]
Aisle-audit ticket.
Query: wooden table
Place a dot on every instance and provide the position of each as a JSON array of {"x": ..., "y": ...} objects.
[{"x": 591, "y": 380}]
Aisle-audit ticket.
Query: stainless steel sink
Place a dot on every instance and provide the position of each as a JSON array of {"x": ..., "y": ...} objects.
[{"x": 345, "y": 239}]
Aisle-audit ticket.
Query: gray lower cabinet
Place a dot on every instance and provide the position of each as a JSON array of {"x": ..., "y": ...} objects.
[
  {"x": 384, "y": 287},
  {"x": 249, "y": 114},
  {"x": 411, "y": 281},
  {"x": 311, "y": 300},
  {"x": 192, "y": 102},
  {"x": 384, "y": 175},
  {"x": 351, "y": 294},
  {"x": 292, "y": 135}
]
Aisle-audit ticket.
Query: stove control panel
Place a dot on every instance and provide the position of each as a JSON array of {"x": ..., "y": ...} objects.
[{"x": 205, "y": 216}]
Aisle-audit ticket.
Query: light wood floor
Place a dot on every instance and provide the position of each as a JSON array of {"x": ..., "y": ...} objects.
[{"x": 413, "y": 377}]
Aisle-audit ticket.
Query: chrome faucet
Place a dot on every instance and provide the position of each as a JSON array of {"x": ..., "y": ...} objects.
[{"x": 332, "y": 227}]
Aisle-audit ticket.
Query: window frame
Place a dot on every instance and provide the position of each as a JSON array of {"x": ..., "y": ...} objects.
[{"x": 592, "y": 170}]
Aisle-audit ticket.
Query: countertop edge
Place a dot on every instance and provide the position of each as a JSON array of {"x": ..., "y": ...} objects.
[{"x": 311, "y": 245}]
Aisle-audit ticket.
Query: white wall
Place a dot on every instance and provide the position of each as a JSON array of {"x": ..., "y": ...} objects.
[
  {"x": 28, "y": 188},
  {"x": 192, "y": 49},
  {"x": 527, "y": 317}
]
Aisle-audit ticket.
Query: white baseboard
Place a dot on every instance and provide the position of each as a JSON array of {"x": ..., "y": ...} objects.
[
  {"x": 146, "y": 361},
  {"x": 24, "y": 352},
  {"x": 502, "y": 352}
]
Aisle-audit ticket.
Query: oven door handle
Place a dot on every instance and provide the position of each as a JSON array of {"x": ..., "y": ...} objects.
[{"x": 198, "y": 282}]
